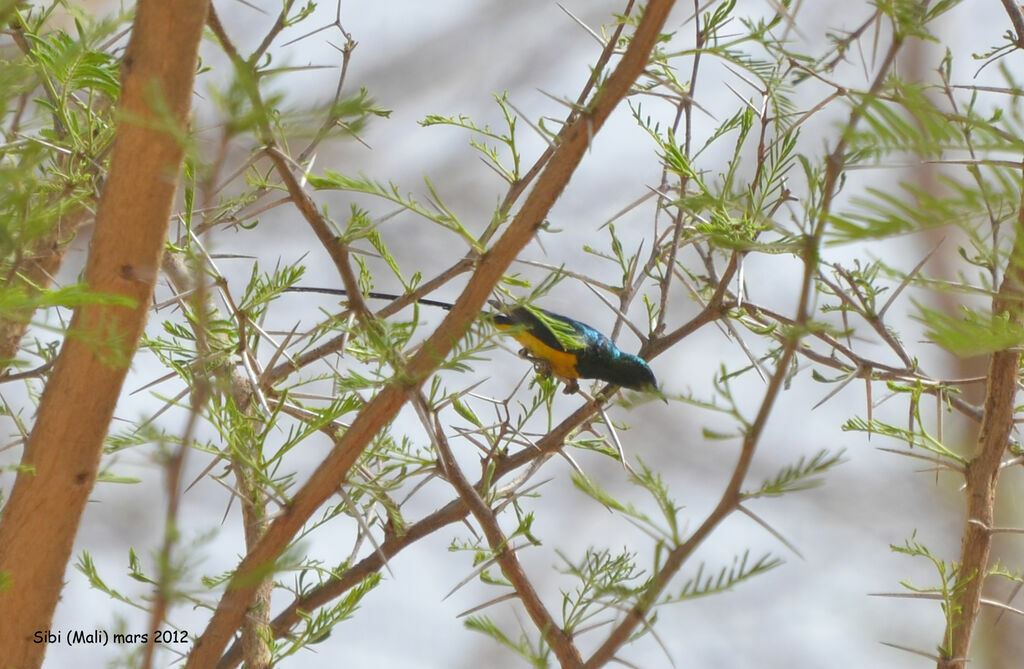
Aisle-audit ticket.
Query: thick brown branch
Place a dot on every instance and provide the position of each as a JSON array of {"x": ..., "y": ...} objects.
[
  {"x": 63, "y": 453},
  {"x": 983, "y": 468}
]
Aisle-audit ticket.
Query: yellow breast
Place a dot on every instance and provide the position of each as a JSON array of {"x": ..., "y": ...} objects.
[{"x": 562, "y": 364}]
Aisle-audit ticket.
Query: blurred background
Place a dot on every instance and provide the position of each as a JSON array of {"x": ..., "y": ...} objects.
[{"x": 450, "y": 57}]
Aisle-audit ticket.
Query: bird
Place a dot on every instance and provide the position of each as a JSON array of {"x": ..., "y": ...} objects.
[
  {"x": 556, "y": 345},
  {"x": 571, "y": 349}
]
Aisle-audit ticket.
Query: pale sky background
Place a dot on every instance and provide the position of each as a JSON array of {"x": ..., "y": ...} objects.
[{"x": 450, "y": 57}]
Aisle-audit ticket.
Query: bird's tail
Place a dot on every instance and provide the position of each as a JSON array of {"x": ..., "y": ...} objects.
[
  {"x": 371, "y": 294},
  {"x": 501, "y": 311}
]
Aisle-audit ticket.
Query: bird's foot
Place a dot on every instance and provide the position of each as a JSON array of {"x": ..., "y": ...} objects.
[
  {"x": 543, "y": 367},
  {"x": 540, "y": 365}
]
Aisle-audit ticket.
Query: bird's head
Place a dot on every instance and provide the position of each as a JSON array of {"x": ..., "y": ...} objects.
[{"x": 633, "y": 372}]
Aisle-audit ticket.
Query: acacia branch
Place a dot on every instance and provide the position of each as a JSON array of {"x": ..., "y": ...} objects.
[
  {"x": 63, "y": 452},
  {"x": 560, "y": 642},
  {"x": 731, "y": 496},
  {"x": 983, "y": 469},
  {"x": 572, "y": 144},
  {"x": 335, "y": 248},
  {"x": 452, "y": 512}
]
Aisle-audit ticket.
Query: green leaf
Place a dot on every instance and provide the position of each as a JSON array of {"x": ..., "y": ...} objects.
[
  {"x": 973, "y": 333},
  {"x": 798, "y": 476},
  {"x": 727, "y": 577}
]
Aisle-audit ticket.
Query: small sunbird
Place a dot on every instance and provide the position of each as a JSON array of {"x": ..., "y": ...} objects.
[{"x": 555, "y": 344}]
